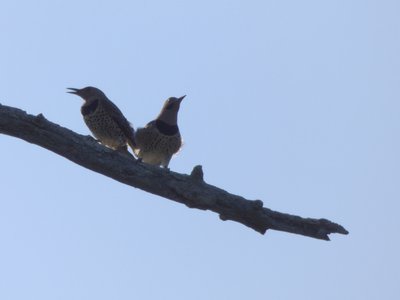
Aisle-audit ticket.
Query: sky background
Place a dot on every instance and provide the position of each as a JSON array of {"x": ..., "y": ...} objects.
[{"x": 296, "y": 103}]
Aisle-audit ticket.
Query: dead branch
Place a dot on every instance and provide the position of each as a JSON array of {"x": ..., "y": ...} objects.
[{"x": 190, "y": 190}]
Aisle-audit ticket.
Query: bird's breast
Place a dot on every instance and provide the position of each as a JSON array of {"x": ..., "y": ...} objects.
[
  {"x": 150, "y": 139},
  {"x": 166, "y": 129},
  {"x": 88, "y": 109}
]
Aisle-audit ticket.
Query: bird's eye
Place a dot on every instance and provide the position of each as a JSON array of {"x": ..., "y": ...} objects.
[{"x": 170, "y": 106}]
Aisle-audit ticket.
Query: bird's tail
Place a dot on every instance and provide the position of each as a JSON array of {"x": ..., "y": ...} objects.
[{"x": 132, "y": 144}]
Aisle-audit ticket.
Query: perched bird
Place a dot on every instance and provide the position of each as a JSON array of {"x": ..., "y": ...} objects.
[
  {"x": 160, "y": 138},
  {"x": 105, "y": 120}
]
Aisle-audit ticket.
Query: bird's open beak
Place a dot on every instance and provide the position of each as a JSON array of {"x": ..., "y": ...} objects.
[
  {"x": 181, "y": 98},
  {"x": 73, "y": 91}
]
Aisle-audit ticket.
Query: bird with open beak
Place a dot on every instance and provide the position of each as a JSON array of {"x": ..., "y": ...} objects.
[
  {"x": 160, "y": 138},
  {"x": 104, "y": 119}
]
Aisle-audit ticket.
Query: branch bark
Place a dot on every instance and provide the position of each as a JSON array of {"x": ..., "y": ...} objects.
[{"x": 190, "y": 190}]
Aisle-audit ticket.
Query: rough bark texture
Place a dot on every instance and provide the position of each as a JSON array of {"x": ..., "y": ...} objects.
[{"x": 190, "y": 190}]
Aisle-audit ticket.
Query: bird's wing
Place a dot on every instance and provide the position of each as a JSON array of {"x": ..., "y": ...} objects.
[
  {"x": 122, "y": 122},
  {"x": 141, "y": 135}
]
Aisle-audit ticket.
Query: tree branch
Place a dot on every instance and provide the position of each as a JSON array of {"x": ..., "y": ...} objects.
[{"x": 190, "y": 190}]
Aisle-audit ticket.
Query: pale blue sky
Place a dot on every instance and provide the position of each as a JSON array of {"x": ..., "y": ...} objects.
[{"x": 292, "y": 102}]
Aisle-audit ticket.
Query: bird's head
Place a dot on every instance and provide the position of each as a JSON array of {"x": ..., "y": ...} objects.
[
  {"x": 88, "y": 93},
  {"x": 169, "y": 112}
]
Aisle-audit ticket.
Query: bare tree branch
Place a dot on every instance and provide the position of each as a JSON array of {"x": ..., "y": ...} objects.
[{"x": 190, "y": 190}]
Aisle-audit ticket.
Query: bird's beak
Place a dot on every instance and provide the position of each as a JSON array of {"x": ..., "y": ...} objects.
[
  {"x": 181, "y": 98},
  {"x": 73, "y": 91}
]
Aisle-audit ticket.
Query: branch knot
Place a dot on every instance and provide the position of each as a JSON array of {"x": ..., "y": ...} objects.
[{"x": 197, "y": 173}]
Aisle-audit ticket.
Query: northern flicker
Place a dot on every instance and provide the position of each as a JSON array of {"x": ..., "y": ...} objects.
[
  {"x": 160, "y": 138},
  {"x": 104, "y": 119}
]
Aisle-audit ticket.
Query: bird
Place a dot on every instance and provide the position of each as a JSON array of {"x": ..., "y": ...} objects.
[
  {"x": 160, "y": 138},
  {"x": 105, "y": 120}
]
